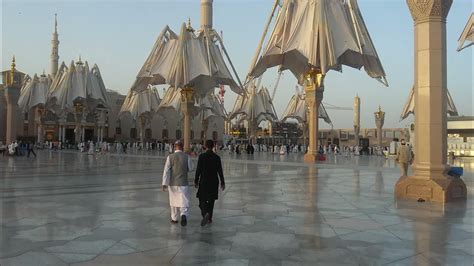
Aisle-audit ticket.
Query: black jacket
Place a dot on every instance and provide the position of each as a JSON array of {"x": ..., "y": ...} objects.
[{"x": 208, "y": 173}]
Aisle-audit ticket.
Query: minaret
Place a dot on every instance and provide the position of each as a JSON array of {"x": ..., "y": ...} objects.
[
  {"x": 206, "y": 14},
  {"x": 54, "y": 48}
]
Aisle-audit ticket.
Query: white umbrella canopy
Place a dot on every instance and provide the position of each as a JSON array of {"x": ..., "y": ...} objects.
[
  {"x": 320, "y": 34},
  {"x": 254, "y": 106},
  {"x": 77, "y": 85},
  {"x": 211, "y": 107},
  {"x": 95, "y": 89},
  {"x": 141, "y": 104},
  {"x": 409, "y": 107},
  {"x": 467, "y": 35},
  {"x": 33, "y": 93},
  {"x": 187, "y": 60},
  {"x": 297, "y": 109}
]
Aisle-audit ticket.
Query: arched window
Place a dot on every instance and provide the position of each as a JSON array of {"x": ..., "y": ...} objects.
[
  {"x": 192, "y": 134},
  {"x": 202, "y": 134},
  {"x": 214, "y": 135},
  {"x": 178, "y": 134},
  {"x": 133, "y": 133},
  {"x": 164, "y": 134}
]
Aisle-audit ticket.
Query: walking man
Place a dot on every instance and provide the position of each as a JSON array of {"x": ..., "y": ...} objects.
[
  {"x": 30, "y": 146},
  {"x": 208, "y": 169},
  {"x": 175, "y": 180},
  {"x": 404, "y": 157}
]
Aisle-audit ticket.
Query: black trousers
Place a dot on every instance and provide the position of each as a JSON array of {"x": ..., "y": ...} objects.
[
  {"x": 206, "y": 206},
  {"x": 31, "y": 151}
]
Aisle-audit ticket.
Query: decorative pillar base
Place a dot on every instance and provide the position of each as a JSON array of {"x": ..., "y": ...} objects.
[
  {"x": 438, "y": 189},
  {"x": 310, "y": 158}
]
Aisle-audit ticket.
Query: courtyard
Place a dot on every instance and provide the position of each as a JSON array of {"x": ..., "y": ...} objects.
[{"x": 68, "y": 208}]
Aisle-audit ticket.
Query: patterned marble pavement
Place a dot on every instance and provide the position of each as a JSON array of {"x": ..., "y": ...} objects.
[{"x": 65, "y": 208}]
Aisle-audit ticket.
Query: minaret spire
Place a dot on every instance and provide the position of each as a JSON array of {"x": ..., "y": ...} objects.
[
  {"x": 206, "y": 14},
  {"x": 54, "y": 48},
  {"x": 55, "y": 23}
]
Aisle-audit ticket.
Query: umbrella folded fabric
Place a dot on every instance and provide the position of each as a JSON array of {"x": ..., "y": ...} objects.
[
  {"x": 141, "y": 104},
  {"x": 187, "y": 60},
  {"x": 297, "y": 109},
  {"x": 467, "y": 35},
  {"x": 211, "y": 106},
  {"x": 409, "y": 107},
  {"x": 77, "y": 85},
  {"x": 254, "y": 106},
  {"x": 33, "y": 93},
  {"x": 321, "y": 34}
]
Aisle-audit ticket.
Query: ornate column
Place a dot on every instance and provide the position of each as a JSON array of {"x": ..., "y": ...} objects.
[
  {"x": 12, "y": 94},
  {"x": 356, "y": 119},
  {"x": 78, "y": 113},
  {"x": 429, "y": 180},
  {"x": 252, "y": 131},
  {"x": 187, "y": 103},
  {"x": 314, "y": 89},
  {"x": 101, "y": 120},
  {"x": 379, "y": 121},
  {"x": 143, "y": 123},
  {"x": 39, "y": 114}
]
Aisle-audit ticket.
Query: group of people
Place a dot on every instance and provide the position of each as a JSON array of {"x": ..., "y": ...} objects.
[
  {"x": 238, "y": 148},
  {"x": 17, "y": 148},
  {"x": 208, "y": 177}
]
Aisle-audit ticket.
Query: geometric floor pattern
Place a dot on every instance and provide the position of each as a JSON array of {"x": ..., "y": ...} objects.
[{"x": 66, "y": 208}]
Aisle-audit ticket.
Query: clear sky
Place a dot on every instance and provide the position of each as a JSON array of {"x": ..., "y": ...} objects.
[{"x": 118, "y": 35}]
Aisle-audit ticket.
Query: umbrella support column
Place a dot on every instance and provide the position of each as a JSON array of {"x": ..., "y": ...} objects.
[
  {"x": 79, "y": 112},
  {"x": 379, "y": 121},
  {"x": 142, "y": 129},
  {"x": 430, "y": 180},
  {"x": 304, "y": 136},
  {"x": 205, "y": 126},
  {"x": 39, "y": 115},
  {"x": 253, "y": 132},
  {"x": 314, "y": 89},
  {"x": 187, "y": 102}
]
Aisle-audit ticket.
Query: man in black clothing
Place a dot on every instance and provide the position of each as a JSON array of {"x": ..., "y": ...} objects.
[
  {"x": 30, "y": 148},
  {"x": 208, "y": 173}
]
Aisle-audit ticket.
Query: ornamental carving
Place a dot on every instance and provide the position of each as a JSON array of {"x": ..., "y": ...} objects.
[{"x": 426, "y": 9}]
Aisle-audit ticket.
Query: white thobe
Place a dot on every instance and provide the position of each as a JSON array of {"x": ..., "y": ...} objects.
[{"x": 178, "y": 195}]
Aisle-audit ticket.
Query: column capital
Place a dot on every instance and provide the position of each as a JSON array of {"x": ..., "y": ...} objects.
[{"x": 424, "y": 10}]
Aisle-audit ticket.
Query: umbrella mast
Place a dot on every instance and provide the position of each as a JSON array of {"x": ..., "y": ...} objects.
[
  {"x": 314, "y": 89},
  {"x": 310, "y": 38}
]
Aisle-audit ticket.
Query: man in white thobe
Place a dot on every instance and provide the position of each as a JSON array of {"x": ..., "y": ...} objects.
[{"x": 175, "y": 180}]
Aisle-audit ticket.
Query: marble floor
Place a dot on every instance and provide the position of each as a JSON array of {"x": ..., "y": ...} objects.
[{"x": 66, "y": 208}]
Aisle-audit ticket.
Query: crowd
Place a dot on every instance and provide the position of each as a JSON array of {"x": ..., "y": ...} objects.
[
  {"x": 283, "y": 149},
  {"x": 17, "y": 148}
]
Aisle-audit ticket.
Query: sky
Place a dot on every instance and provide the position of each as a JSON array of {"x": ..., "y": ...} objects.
[{"x": 118, "y": 35}]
